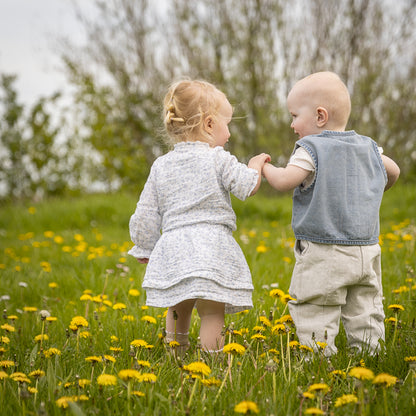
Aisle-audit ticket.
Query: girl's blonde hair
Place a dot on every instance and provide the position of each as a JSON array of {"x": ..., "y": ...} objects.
[{"x": 186, "y": 106}]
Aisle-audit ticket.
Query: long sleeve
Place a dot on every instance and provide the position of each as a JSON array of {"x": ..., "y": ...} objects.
[{"x": 145, "y": 223}]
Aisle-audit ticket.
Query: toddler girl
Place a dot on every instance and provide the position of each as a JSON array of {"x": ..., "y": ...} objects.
[{"x": 183, "y": 223}]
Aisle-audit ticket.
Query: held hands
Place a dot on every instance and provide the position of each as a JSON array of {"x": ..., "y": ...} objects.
[
  {"x": 257, "y": 162},
  {"x": 143, "y": 261}
]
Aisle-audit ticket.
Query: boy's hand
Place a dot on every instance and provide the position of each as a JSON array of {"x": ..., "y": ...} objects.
[{"x": 143, "y": 261}]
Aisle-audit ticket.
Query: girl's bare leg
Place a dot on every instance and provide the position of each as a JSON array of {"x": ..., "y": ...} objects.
[
  {"x": 212, "y": 323},
  {"x": 178, "y": 321}
]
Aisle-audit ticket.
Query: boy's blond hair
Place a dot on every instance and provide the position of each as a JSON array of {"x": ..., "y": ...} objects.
[{"x": 185, "y": 107}]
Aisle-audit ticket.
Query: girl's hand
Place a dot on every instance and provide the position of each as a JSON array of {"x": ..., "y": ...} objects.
[
  {"x": 257, "y": 162},
  {"x": 143, "y": 261}
]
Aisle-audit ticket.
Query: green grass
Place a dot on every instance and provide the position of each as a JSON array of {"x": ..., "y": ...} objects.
[{"x": 79, "y": 245}]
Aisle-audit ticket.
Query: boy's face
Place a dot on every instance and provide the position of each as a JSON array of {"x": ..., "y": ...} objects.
[{"x": 304, "y": 117}]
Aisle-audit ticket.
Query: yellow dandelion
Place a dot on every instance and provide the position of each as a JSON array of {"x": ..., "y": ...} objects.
[
  {"x": 53, "y": 285},
  {"x": 46, "y": 266},
  {"x": 85, "y": 334},
  {"x": 346, "y": 399},
  {"x": 314, "y": 411},
  {"x": 3, "y": 375},
  {"x": 198, "y": 367},
  {"x": 113, "y": 338},
  {"x": 285, "y": 319},
  {"x": 41, "y": 337},
  {"x": 149, "y": 319},
  {"x": 37, "y": 374},
  {"x": 287, "y": 259},
  {"x": 258, "y": 337},
  {"x": 32, "y": 390},
  {"x": 258, "y": 328},
  {"x": 338, "y": 373},
  {"x": 265, "y": 321},
  {"x": 361, "y": 373},
  {"x": 209, "y": 382},
  {"x": 106, "y": 380},
  {"x": 279, "y": 329},
  {"x": 261, "y": 248},
  {"x": 84, "y": 382},
  {"x": 129, "y": 374},
  {"x": 116, "y": 349},
  {"x": 7, "y": 364},
  {"x": 137, "y": 393},
  {"x": 305, "y": 348},
  {"x": 94, "y": 359},
  {"x": 119, "y": 306},
  {"x": 129, "y": 318},
  {"x": 174, "y": 344},
  {"x": 321, "y": 345},
  {"x": 134, "y": 292},
  {"x": 308, "y": 395},
  {"x": 245, "y": 407},
  {"x": 13, "y": 317},
  {"x": 411, "y": 359},
  {"x": 391, "y": 320},
  {"x": 8, "y": 328},
  {"x": 51, "y": 352},
  {"x": 4, "y": 340},
  {"x": 319, "y": 387},
  {"x": 143, "y": 363},
  {"x": 294, "y": 344},
  {"x": 234, "y": 348},
  {"x": 385, "y": 380},
  {"x": 110, "y": 358},
  {"x": 20, "y": 377},
  {"x": 138, "y": 343},
  {"x": 85, "y": 297},
  {"x": 79, "y": 321},
  {"x": 396, "y": 307},
  {"x": 276, "y": 293},
  {"x": 51, "y": 319},
  {"x": 148, "y": 378}
]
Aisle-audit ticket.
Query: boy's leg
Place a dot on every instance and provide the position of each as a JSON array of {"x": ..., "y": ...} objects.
[
  {"x": 178, "y": 320},
  {"x": 363, "y": 314},
  {"x": 316, "y": 323},
  {"x": 212, "y": 322}
]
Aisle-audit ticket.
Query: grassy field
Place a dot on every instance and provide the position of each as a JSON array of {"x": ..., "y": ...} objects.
[{"x": 77, "y": 338}]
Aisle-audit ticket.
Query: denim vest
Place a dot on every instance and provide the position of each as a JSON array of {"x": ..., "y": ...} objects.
[{"x": 342, "y": 205}]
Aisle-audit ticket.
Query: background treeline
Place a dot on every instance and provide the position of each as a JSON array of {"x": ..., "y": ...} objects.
[{"x": 109, "y": 132}]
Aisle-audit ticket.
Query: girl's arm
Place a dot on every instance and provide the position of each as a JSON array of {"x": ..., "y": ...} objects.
[
  {"x": 257, "y": 163},
  {"x": 284, "y": 179},
  {"x": 393, "y": 171}
]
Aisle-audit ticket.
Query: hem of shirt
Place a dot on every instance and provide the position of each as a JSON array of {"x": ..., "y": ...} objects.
[{"x": 338, "y": 242}]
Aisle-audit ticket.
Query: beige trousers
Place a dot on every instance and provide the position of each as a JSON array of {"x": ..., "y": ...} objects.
[{"x": 333, "y": 282}]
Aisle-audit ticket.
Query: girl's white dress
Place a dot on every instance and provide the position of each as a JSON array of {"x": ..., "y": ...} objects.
[{"x": 183, "y": 223}]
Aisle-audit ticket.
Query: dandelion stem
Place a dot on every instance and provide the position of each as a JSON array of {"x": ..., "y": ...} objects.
[
  {"x": 192, "y": 394},
  {"x": 283, "y": 357},
  {"x": 225, "y": 379}
]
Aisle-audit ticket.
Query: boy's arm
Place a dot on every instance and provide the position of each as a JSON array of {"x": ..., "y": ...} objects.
[
  {"x": 393, "y": 171},
  {"x": 284, "y": 179}
]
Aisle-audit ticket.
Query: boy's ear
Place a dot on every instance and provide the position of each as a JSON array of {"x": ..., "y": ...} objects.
[
  {"x": 208, "y": 124},
  {"x": 321, "y": 116}
]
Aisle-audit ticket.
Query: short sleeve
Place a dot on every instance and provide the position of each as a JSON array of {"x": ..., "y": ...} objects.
[
  {"x": 145, "y": 223},
  {"x": 237, "y": 178},
  {"x": 302, "y": 159}
]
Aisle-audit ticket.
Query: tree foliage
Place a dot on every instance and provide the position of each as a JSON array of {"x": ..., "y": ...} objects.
[{"x": 254, "y": 50}]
